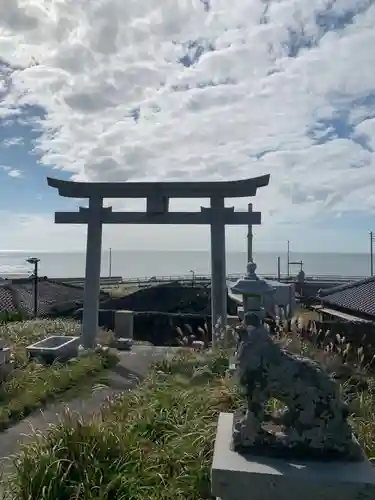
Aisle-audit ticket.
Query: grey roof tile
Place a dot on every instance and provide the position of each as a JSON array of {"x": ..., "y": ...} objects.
[
  {"x": 356, "y": 296},
  {"x": 19, "y": 296}
]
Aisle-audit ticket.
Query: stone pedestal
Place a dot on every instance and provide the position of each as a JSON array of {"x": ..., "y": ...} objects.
[
  {"x": 236, "y": 477},
  {"x": 124, "y": 325}
]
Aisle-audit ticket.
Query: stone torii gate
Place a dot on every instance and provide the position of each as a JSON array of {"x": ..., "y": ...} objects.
[{"x": 157, "y": 194}]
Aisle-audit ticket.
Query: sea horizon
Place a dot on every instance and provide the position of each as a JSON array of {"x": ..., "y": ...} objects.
[
  {"x": 147, "y": 263},
  {"x": 106, "y": 249}
]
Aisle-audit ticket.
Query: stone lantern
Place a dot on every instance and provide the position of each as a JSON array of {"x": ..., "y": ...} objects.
[
  {"x": 253, "y": 290},
  {"x": 314, "y": 433}
]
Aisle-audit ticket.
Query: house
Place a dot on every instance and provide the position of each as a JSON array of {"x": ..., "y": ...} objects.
[
  {"x": 55, "y": 299},
  {"x": 351, "y": 302}
]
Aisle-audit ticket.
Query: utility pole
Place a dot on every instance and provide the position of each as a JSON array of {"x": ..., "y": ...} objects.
[
  {"x": 110, "y": 263},
  {"x": 288, "y": 260},
  {"x": 192, "y": 277},
  {"x": 371, "y": 253},
  {"x": 250, "y": 236},
  {"x": 35, "y": 261}
]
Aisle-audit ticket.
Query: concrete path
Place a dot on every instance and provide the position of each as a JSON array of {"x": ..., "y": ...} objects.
[{"x": 132, "y": 367}]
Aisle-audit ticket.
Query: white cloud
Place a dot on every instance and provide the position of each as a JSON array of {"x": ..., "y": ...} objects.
[
  {"x": 38, "y": 233},
  {"x": 14, "y": 141},
  {"x": 280, "y": 87},
  {"x": 30, "y": 232},
  {"x": 12, "y": 172},
  {"x": 15, "y": 173}
]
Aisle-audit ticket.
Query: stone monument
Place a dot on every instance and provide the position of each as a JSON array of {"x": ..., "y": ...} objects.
[{"x": 306, "y": 449}]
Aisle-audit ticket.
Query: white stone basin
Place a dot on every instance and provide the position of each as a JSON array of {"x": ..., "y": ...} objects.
[{"x": 55, "y": 347}]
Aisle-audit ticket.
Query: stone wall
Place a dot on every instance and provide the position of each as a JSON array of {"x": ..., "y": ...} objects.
[
  {"x": 168, "y": 297},
  {"x": 159, "y": 328}
]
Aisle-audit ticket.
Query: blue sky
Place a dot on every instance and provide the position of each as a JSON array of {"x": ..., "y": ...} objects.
[
  {"x": 191, "y": 91},
  {"x": 27, "y": 192}
]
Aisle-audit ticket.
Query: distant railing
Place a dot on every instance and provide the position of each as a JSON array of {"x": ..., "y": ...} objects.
[
  {"x": 104, "y": 282},
  {"x": 234, "y": 276},
  {"x": 116, "y": 281}
]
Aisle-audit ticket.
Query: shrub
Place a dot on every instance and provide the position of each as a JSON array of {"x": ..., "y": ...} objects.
[{"x": 10, "y": 316}]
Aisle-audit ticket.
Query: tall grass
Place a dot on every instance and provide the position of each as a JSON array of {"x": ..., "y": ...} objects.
[
  {"x": 156, "y": 442},
  {"x": 30, "y": 384}
]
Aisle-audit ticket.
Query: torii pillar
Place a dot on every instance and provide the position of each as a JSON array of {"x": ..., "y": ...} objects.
[
  {"x": 218, "y": 268},
  {"x": 92, "y": 273}
]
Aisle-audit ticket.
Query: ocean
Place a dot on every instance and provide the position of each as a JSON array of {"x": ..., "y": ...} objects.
[{"x": 132, "y": 264}]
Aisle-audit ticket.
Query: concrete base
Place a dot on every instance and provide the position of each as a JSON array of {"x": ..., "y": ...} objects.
[
  {"x": 122, "y": 344},
  {"x": 54, "y": 348},
  {"x": 238, "y": 477}
]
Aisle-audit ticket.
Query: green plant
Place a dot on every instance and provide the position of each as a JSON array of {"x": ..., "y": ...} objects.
[
  {"x": 30, "y": 385},
  {"x": 157, "y": 441},
  {"x": 187, "y": 337},
  {"x": 10, "y": 316}
]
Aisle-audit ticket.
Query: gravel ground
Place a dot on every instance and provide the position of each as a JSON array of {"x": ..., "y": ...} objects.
[{"x": 132, "y": 367}]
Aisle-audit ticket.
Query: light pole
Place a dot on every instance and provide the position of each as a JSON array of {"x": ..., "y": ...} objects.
[
  {"x": 250, "y": 236},
  {"x": 35, "y": 261},
  {"x": 300, "y": 276},
  {"x": 192, "y": 277},
  {"x": 110, "y": 263},
  {"x": 372, "y": 236}
]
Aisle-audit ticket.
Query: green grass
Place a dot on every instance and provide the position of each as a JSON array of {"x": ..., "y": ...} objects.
[
  {"x": 154, "y": 443},
  {"x": 30, "y": 385}
]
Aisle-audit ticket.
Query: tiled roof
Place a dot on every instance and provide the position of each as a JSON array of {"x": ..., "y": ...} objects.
[
  {"x": 6, "y": 299},
  {"x": 52, "y": 296},
  {"x": 356, "y": 296}
]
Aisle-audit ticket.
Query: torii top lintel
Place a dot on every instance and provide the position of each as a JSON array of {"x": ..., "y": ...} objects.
[{"x": 206, "y": 189}]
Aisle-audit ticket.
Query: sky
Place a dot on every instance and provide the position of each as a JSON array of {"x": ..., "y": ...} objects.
[{"x": 114, "y": 90}]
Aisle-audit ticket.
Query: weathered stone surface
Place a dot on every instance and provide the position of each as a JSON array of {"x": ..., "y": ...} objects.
[
  {"x": 235, "y": 476},
  {"x": 314, "y": 424}
]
